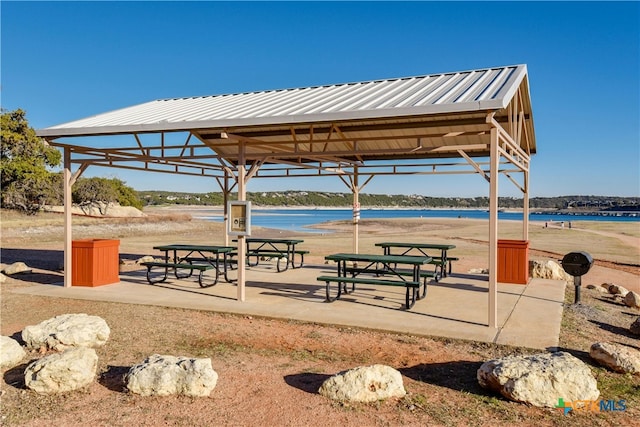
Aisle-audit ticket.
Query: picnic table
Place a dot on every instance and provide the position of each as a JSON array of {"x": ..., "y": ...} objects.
[
  {"x": 264, "y": 248},
  {"x": 190, "y": 258},
  {"x": 370, "y": 269},
  {"x": 406, "y": 248}
]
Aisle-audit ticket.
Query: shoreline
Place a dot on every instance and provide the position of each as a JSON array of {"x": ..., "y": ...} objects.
[{"x": 538, "y": 211}]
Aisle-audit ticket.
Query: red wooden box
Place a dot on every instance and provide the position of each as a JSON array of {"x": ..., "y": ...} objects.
[
  {"x": 513, "y": 261},
  {"x": 95, "y": 262}
]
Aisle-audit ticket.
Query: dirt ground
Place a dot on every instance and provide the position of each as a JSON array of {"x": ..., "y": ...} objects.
[{"x": 270, "y": 370}]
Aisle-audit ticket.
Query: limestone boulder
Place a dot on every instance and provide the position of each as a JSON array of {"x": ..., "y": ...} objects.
[
  {"x": 146, "y": 258},
  {"x": 635, "y": 327},
  {"x": 615, "y": 289},
  {"x": 3, "y": 278},
  {"x": 69, "y": 370},
  {"x": 67, "y": 330},
  {"x": 548, "y": 270},
  {"x": 539, "y": 379},
  {"x": 161, "y": 375},
  {"x": 15, "y": 268},
  {"x": 11, "y": 353},
  {"x": 617, "y": 357},
  {"x": 364, "y": 384},
  {"x": 632, "y": 299},
  {"x": 100, "y": 209}
]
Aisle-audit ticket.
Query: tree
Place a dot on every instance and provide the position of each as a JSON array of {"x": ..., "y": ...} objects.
[
  {"x": 98, "y": 192},
  {"x": 24, "y": 159},
  {"x": 127, "y": 196}
]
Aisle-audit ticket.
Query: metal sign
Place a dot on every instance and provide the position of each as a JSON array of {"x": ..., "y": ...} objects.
[{"x": 239, "y": 218}]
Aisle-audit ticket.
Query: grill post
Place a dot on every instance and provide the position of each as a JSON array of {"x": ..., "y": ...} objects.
[
  {"x": 577, "y": 281},
  {"x": 577, "y": 264}
]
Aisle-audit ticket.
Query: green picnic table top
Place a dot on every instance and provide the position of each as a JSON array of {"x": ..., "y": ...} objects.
[
  {"x": 200, "y": 248},
  {"x": 416, "y": 245},
  {"x": 267, "y": 240},
  {"x": 390, "y": 259}
]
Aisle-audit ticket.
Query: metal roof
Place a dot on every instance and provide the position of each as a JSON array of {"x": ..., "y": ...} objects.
[
  {"x": 435, "y": 94},
  {"x": 320, "y": 130}
]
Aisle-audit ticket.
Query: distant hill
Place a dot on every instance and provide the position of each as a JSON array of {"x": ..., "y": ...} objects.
[{"x": 326, "y": 199}]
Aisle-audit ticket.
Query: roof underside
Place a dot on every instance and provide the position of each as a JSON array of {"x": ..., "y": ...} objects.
[{"x": 433, "y": 116}]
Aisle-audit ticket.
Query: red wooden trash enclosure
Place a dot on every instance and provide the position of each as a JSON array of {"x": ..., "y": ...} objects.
[
  {"x": 513, "y": 261},
  {"x": 95, "y": 262}
]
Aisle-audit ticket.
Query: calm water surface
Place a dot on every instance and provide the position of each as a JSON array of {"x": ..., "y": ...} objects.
[{"x": 298, "y": 219}]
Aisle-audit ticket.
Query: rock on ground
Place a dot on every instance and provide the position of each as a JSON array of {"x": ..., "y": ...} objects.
[
  {"x": 15, "y": 268},
  {"x": 548, "y": 270},
  {"x": 146, "y": 258},
  {"x": 617, "y": 357},
  {"x": 162, "y": 375},
  {"x": 67, "y": 330},
  {"x": 618, "y": 290},
  {"x": 11, "y": 352},
  {"x": 364, "y": 384},
  {"x": 100, "y": 209},
  {"x": 632, "y": 299},
  {"x": 539, "y": 379},
  {"x": 61, "y": 372},
  {"x": 635, "y": 327}
]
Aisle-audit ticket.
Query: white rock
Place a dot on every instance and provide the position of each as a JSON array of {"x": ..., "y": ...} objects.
[
  {"x": 632, "y": 299},
  {"x": 539, "y": 379},
  {"x": 3, "y": 278},
  {"x": 67, "y": 330},
  {"x": 548, "y": 270},
  {"x": 146, "y": 258},
  {"x": 364, "y": 384},
  {"x": 162, "y": 375},
  {"x": 61, "y": 372},
  {"x": 16, "y": 267},
  {"x": 11, "y": 352},
  {"x": 616, "y": 357}
]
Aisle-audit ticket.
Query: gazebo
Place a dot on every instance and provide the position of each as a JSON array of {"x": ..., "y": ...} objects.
[{"x": 469, "y": 122}]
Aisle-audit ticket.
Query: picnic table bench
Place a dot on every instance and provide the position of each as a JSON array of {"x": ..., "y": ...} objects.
[
  {"x": 378, "y": 270},
  {"x": 190, "y": 258},
  {"x": 264, "y": 248},
  {"x": 406, "y": 248}
]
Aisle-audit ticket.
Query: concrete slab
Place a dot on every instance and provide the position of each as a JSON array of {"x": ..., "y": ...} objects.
[
  {"x": 528, "y": 315},
  {"x": 529, "y": 321}
]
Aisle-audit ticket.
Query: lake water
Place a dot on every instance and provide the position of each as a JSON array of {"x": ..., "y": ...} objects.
[{"x": 298, "y": 219}]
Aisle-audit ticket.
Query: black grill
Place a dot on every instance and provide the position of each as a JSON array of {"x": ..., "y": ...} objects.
[{"x": 577, "y": 264}]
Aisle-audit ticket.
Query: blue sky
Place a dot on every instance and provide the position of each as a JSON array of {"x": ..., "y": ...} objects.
[{"x": 63, "y": 61}]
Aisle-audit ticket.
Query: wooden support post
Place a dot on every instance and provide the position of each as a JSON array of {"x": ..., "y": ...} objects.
[
  {"x": 67, "y": 217},
  {"x": 493, "y": 230},
  {"x": 225, "y": 212},
  {"x": 525, "y": 207},
  {"x": 242, "y": 248},
  {"x": 356, "y": 212}
]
